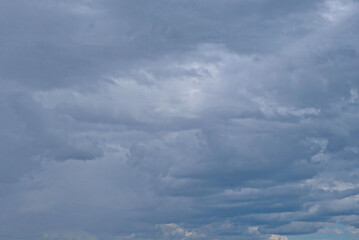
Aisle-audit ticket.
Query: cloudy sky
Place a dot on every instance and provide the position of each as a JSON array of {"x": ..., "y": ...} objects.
[{"x": 179, "y": 119}]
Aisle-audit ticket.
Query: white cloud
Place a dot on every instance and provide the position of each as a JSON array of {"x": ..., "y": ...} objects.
[
  {"x": 253, "y": 230},
  {"x": 277, "y": 237},
  {"x": 172, "y": 230},
  {"x": 353, "y": 230},
  {"x": 338, "y": 10}
]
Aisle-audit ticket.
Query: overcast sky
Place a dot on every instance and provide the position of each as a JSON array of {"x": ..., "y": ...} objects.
[{"x": 179, "y": 119}]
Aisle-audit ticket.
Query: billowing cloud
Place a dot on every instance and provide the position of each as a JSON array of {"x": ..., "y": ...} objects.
[{"x": 178, "y": 119}]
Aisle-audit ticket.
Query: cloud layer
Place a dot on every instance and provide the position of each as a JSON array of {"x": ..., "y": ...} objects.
[{"x": 178, "y": 119}]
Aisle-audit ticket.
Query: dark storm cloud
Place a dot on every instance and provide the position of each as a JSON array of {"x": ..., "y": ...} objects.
[{"x": 178, "y": 119}]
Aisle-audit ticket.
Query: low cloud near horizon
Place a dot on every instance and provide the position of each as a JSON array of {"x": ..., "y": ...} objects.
[{"x": 179, "y": 119}]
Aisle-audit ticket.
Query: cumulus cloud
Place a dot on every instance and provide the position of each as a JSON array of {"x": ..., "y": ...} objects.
[
  {"x": 178, "y": 119},
  {"x": 277, "y": 237}
]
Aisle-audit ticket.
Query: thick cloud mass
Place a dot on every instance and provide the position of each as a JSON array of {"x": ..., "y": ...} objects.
[{"x": 178, "y": 119}]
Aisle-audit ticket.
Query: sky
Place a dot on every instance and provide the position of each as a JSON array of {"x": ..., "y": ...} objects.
[{"x": 179, "y": 120}]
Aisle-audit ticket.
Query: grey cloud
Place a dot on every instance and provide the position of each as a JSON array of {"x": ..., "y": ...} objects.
[
  {"x": 30, "y": 134},
  {"x": 177, "y": 119}
]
